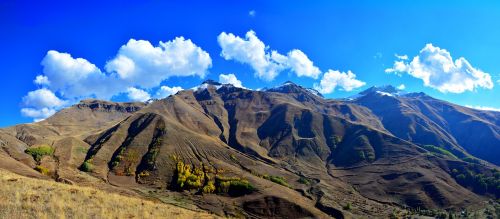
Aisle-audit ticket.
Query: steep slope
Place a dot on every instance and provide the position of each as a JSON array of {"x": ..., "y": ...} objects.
[
  {"x": 280, "y": 152},
  {"x": 424, "y": 120},
  {"x": 287, "y": 133},
  {"x": 64, "y": 132}
]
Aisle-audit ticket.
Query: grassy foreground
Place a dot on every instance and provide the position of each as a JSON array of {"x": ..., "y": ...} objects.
[{"x": 22, "y": 197}]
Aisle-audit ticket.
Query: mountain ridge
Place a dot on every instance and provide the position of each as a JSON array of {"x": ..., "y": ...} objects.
[{"x": 286, "y": 144}]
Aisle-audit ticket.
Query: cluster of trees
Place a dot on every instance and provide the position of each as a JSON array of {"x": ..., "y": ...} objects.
[
  {"x": 38, "y": 152},
  {"x": 487, "y": 182},
  {"x": 205, "y": 180}
]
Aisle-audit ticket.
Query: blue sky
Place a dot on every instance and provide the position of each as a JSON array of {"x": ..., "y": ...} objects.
[{"x": 335, "y": 36}]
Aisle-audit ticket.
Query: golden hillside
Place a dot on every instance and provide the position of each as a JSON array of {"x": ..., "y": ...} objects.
[{"x": 22, "y": 197}]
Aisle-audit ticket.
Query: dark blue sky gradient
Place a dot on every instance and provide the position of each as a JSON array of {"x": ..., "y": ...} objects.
[{"x": 340, "y": 35}]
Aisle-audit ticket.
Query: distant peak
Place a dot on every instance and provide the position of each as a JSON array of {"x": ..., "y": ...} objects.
[
  {"x": 211, "y": 82},
  {"x": 385, "y": 89},
  {"x": 290, "y": 87}
]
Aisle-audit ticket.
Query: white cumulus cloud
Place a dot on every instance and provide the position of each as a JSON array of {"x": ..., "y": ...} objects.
[
  {"x": 266, "y": 63},
  {"x": 38, "y": 114},
  {"x": 42, "y": 98},
  {"x": 76, "y": 78},
  {"x": 41, "y": 80},
  {"x": 401, "y": 87},
  {"x": 135, "y": 94},
  {"x": 142, "y": 64},
  {"x": 333, "y": 79},
  {"x": 436, "y": 68},
  {"x": 40, "y": 104},
  {"x": 230, "y": 79},
  {"x": 138, "y": 63},
  {"x": 166, "y": 91},
  {"x": 301, "y": 64}
]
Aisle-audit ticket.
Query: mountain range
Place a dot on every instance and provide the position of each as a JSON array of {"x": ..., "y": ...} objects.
[{"x": 282, "y": 152}]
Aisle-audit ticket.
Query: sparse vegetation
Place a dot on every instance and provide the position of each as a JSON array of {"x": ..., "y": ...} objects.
[
  {"x": 42, "y": 170},
  {"x": 81, "y": 150},
  {"x": 479, "y": 182},
  {"x": 276, "y": 179},
  {"x": 233, "y": 186},
  {"x": 87, "y": 166},
  {"x": 233, "y": 158},
  {"x": 439, "y": 151},
  {"x": 39, "y": 152},
  {"x": 303, "y": 180},
  {"x": 22, "y": 197},
  {"x": 347, "y": 207}
]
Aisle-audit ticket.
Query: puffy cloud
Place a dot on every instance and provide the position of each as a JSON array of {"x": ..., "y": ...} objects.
[
  {"x": 230, "y": 79},
  {"x": 266, "y": 64},
  {"x": 136, "y": 64},
  {"x": 42, "y": 98},
  {"x": 38, "y": 114},
  {"x": 436, "y": 68},
  {"x": 332, "y": 79},
  {"x": 299, "y": 62},
  {"x": 41, "y": 104},
  {"x": 76, "y": 78},
  {"x": 401, "y": 87},
  {"x": 41, "y": 80},
  {"x": 484, "y": 108},
  {"x": 142, "y": 64},
  {"x": 402, "y": 57},
  {"x": 135, "y": 94},
  {"x": 166, "y": 91}
]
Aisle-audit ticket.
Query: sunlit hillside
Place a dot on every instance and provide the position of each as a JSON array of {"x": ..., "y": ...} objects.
[{"x": 22, "y": 197}]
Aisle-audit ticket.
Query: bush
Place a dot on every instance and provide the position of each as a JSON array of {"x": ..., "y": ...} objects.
[
  {"x": 277, "y": 179},
  {"x": 144, "y": 173},
  {"x": 209, "y": 188},
  {"x": 233, "y": 186},
  {"x": 38, "y": 152},
  {"x": 42, "y": 170},
  {"x": 439, "y": 151},
  {"x": 304, "y": 181},
  {"x": 348, "y": 207},
  {"x": 87, "y": 166}
]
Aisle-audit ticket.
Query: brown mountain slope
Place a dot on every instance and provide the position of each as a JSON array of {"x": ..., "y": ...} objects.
[
  {"x": 425, "y": 120},
  {"x": 288, "y": 135},
  {"x": 282, "y": 152}
]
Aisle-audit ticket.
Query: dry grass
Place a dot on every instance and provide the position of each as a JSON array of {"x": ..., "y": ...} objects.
[{"x": 22, "y": 197}]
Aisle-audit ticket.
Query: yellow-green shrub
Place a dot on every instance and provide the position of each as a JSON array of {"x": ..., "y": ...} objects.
[
  {"x": 42, "y": 170},
  {"x": 39, "y": 152},
  {"x": 209, "y": 188}
]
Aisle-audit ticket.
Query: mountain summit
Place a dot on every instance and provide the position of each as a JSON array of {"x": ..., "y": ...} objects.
[
  {"x": 385, "y": 89},
  {"x": 290, "y": 87}
]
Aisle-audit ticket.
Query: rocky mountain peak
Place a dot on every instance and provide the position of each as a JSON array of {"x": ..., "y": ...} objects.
[
  {"x": 290, "y": 87},
  {"x": 211, "y": 82},
  {"x": 386, "y": 89}
]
